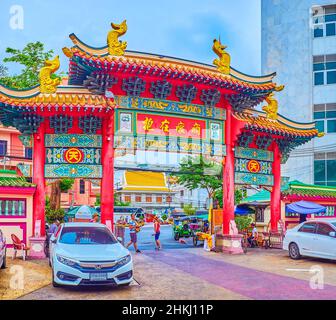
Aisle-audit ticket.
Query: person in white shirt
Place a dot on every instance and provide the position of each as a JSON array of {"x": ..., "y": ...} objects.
[{"x": 254, "y": 236}]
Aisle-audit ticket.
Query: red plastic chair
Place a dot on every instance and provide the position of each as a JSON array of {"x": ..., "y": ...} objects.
[{"x": 19, "y": 245}]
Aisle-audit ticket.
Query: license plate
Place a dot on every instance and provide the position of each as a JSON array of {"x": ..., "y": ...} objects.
[{"x": 98, "y": 276}]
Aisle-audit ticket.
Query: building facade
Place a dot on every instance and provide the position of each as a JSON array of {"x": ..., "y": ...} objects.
[
  {"x": 148, "y": 190},
  {"x": 15, "y": 152},
  {"x": 197, "y": 198},
  {"x": 299, "y": 43}
]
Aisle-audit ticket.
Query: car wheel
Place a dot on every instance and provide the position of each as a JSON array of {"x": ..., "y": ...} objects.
[
  {"x": 55, "y": 284},
  {"x": 195, "y": 241},
  {"x": 4, "y": 261},
  {"x": 294, "y": 251}
]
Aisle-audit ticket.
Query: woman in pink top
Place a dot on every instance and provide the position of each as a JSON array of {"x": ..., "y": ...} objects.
[{"x": 157, "y": 233}]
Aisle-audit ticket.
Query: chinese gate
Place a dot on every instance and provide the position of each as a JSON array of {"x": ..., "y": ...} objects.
[{"x": 116, "y": 102}]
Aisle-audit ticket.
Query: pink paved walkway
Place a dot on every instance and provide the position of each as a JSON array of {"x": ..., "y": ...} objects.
[{"x": 248, "y": 282}]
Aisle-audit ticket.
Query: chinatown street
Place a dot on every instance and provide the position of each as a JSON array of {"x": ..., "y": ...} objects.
[{"x": 181, "y": 271}]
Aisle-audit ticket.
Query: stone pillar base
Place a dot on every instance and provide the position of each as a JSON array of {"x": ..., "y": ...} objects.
[
  {"x": 37, "y": 247},
  {"x": 229, "y": 243}
]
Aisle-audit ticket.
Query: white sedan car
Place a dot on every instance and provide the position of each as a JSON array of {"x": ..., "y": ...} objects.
[
  {"x": 88, "y": 254},
  {"x": 315, "y": 238}
]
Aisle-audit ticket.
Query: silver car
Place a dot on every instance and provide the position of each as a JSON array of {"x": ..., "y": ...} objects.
[
  {"x": 2, "y": 251},
  {"x": 315, "y": 238}
]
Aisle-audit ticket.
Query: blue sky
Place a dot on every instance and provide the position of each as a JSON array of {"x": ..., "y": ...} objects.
[{"x": 180, "y": 28}]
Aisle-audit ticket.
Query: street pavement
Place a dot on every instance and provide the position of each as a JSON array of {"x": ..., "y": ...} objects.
[
  {"x": 184, "y": 272},
  {"x": 146, "y": 239}
]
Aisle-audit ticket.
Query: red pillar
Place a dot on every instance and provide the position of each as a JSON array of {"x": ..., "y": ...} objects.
[
  {"x": 228, "y": 175},
  {"x": 107, "y": 183},
  {"x": 39, "y": 181},
  {"x": 276, "y": 190}
]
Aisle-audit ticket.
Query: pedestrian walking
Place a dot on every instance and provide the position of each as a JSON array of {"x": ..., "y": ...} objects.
[
  {"x": 157, "y": 233},
  {"x": 133, "y": 229}
]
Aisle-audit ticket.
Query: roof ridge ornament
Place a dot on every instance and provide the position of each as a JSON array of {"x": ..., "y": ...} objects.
[
  {"x": 47, "y": 83},
  {"x": 279, "y": 88},
  {"x": 116, "y": 47},
  {"x": 223, "y": 63},
  {"x": 67, "y": 52},
  {"x": 272, "y": 108}
]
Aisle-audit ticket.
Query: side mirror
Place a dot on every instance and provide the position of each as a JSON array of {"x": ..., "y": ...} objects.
[
  {"x": 120, "y": 239},
  {"x": 332, "y": 234}
]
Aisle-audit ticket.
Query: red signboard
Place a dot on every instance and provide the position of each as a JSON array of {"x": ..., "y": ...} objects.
[{"x": 170, "y": 126}]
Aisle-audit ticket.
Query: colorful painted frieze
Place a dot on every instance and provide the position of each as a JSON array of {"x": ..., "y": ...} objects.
[
  {"x": 253, "y": 166},
  {"x": 177, "y": 145},
  {"x": 73, "y": 155},
  {"x": 73, "y": 171},
  {"x": 170, "y": 107},
  {"x": 73, "y": 140},
  {"x": 254, "y": 179},
  {"x": 257, "y": 154}
]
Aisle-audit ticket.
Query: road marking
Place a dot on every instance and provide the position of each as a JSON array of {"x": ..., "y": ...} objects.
[
  {"x": 303, "y": 270},
  {"x": 134, "y": 283}
]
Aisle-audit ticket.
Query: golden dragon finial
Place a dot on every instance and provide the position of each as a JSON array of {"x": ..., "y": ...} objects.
[
  {"x": 47, "y": 83},
  {"x": 272, "y": 108},
  {"x": 223, "y": 63},
  {"x": 279, "y": 88},
  {"x": 116, "y": 47}
]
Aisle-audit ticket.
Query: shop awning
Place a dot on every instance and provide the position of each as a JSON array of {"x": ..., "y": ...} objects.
[
  {"x": 243, "y": 210},
  {"x": 82, "y": 212},
  {"x": 305, "y": 207}
]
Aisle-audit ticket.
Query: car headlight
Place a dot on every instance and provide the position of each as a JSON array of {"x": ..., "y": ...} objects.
[
  {"x": 124, "y": 260},
  {"x": 66, "y": 261}
]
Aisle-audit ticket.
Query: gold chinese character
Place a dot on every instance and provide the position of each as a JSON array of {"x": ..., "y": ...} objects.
[
  {"x": 196, "y": 129},
  {"x": 180, "y": 128},
  {"x": 165, "y": 126},
  {"x": 148, "y": 124}
]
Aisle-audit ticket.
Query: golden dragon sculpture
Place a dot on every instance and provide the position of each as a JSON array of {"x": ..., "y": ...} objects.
[
  {"x": 223, "y": 63},
  {"x": 272, "y": 107},
  {"x": 116, "y": 47},
  {"x": 47, "y": 83}
]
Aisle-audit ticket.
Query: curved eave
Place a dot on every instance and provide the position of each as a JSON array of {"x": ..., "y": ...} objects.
[
  {"x": 102, "y": 52},
  {"x": 307, "y": 196},
  {"x": 73, "y": 96},
  {"x": 258, "y": 121},
  {"x": 19, "y": 94}
]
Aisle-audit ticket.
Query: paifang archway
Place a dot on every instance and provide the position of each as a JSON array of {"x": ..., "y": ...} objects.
[{"x": 116, "y": 101}]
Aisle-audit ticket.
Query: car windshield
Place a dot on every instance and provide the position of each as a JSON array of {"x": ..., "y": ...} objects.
[
  {"x": 86, "y": 235},
  {"x": 334, "y": 224}
]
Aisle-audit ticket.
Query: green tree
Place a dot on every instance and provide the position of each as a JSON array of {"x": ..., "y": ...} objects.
[
  {"x": 53, "y": 214},
  {"x": 117, "y": 201},
  {"x": 200, "y": 173},
  {"x": 97, "y": 202},
  {"x": 240, "y": 194},
  {"x": 66, "y": 184},
  {"x": 189, "y": 210},
  {"x": 31, "y": 58},
  {"x": 243, "y": 222}
]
